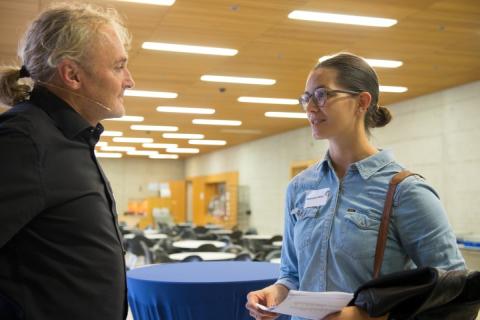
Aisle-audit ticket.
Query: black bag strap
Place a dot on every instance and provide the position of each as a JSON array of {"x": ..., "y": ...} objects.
[{"x": 387, "y": 211}]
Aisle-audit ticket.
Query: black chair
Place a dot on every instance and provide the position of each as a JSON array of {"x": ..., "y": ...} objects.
[
  {"x": 160, "y": 256},
  {"x": 273, "y": 254},
  {"x": 207, "y": 236},
  {"x": 236, "y": 236},
  {"x": 243, "y": 257},
  {"x": 200, "y": 230},
  {"x": 208, "y": 247},
  {"x": 251, "y": 230},
  {"x": 233, "y": 248},
  {"x": 192, "y": 258},
  {"x": 138, "y": 248},
  {"x": 187, "y": 234}
]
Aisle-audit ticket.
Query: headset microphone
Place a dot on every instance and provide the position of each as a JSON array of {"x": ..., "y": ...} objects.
[{"x": 75, "y": 94}]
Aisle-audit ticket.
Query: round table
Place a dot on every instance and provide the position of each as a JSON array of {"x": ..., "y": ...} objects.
[
  {"x": 275, "y": 260},
  {"x": 197, "y": 290},
  {"x": 277, "y": 244},
  {"x": 194, "y": 244},
  {"x": 156, "y": 236},
  {"x": 257, "y": 236},
  {"x": 208, "y": 256}
]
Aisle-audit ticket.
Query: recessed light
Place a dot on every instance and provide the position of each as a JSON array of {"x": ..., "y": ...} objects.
[
  {"x": 163, "y": 156},
  {"x": 183, "y": 150},
  {"x": 291, "y": 115},
  {"x": 184, "y": 48},
  {"x": 183, "y": 136},
  {"x": 133, "y": 140},
  {"x": 154, "y": 2},
  {"x": 394, "y": 89},
  {"x": 107, "y": 133},
  {"x": 141, "y": 127},
  {"x": 208, "y": 142},
  {"x": 108, "y": 154},
  {"x": 268, "y": 100},
  {"x": 127, "y": 119},
  {"x": 241, "y": 80},
  {"x": 341, "y": 18},
  {"x": 379, "y": 63},
  {"x": 193, "y": 110},
  {"x": 150, "y": 94},
  {"x": 160, "y": 145},
  {"x": 215, "y": 122}
]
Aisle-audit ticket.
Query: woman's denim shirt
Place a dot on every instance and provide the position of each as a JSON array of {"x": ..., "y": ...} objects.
[{"x": 331, "y": 226}]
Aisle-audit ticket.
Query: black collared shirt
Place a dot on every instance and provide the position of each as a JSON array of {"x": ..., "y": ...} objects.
[{"x": 61, "y": 255}]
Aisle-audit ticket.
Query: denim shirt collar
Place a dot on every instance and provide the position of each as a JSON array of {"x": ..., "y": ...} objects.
[{"x": 365, "y": 167}]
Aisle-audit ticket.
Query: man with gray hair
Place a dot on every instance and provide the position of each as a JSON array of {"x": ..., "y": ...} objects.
[{"x": 61, "y": 254}]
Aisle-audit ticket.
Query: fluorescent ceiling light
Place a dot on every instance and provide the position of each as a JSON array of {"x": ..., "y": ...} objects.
[
  {"x": 154, "y": 2},
  {"x": 112, "y": 133},
  {"x": 142, "y": 152},
  {"x": 268, "y": 100},
  {"x": 161, "y": 46},
  {"x": 108, "y": 154},
  {"x": 117, "y": 148},
  {"x": 127, "y": 118},
  {"x": 183, "y": 136},
  {"x": 183, "y": 150},
  {"x": 394, "y": 89},
  {"x": 133, "y": 140},
  {"x": 185, "y": 110},
  {"x": 374, "y": 62},
  {"x": 341, "y": 18},
  {"x": 160, "y": 145},
  {"x": 291, "y": 115},
  {"x": 163, "y": 156},
  {"x": 101, "y": 144},
  {"x": 150, "y": 94},
  {"x": 242, "y": 131},
  {"x": 153, "y": 128},
  {"x": 208, "y": 142},
  {"x": 242, "y": 80},
  {"x": 215, "y": 122}
]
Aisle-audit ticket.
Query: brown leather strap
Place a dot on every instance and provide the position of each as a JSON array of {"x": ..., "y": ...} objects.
[{"x": 383, "y": 229}]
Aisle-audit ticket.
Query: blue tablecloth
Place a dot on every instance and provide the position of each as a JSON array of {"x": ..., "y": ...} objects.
[{"x": 197, "y": 290}]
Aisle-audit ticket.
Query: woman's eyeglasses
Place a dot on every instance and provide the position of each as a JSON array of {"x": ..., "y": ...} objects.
[{"x": 320, "y": 96}]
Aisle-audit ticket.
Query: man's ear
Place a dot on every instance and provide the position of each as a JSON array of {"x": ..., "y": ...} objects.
[
  {"x": 68, "y": 71},
  {"x": 364, "y": 100}
]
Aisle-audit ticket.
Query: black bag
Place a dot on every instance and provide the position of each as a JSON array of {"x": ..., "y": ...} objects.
[{"x": 422, "y": 294}]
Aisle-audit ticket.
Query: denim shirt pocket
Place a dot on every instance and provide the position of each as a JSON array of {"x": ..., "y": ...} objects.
[
  {"x": 306, "y": 220},
  {"x": 359, "y": 233}
]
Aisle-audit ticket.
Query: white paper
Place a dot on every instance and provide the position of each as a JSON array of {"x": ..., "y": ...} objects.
[
  {"x": 311, "y": 305},
  {"x": 316, "y": 198}
]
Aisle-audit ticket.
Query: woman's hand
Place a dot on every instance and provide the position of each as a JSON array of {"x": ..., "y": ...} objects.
[
  {"x": 352, "y": 313},
  {"x": 269, "y": 296}
]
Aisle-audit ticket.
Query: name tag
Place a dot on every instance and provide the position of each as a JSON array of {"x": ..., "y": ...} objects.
[{"x": 316, "y": 198}]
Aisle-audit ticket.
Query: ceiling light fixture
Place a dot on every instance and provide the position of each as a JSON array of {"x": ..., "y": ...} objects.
[
  {"x": 183, "y": 150},
  {"x": 108, "y": 154},
  {"x": 183, "y": 136},
  {"x": 150, "y": 94},
  {"x": 379, "y": 63},
  {"x": 142, "y": 152},
  {"x": 160, "y": 145},
  {"x": 341, "y": 18},
  {"x": 268, "y": 100},
  {"x": 154, "y": 2},
  {"x": 107, "y": 133},
  {"x": 185, "y": 110},
  {"x": 117, "y": 148},
  {"x": 184, "y": 48},
  {"x": 242, "y": 80},
  {"x": 140, "y": 127},
  {"x": 394, "y": 89},
  {"x": 215, "y": 122},
  {"x": 133, "y": 140},
  {"x": 128, "y": 119},
  {"x": 163, "y": 156},
  {"x": 291, "y": 115},
  {"x": 208, "y": 142}
]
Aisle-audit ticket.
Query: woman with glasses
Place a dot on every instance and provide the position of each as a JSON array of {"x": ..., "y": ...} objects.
[{"x": 333, "y": 209}]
